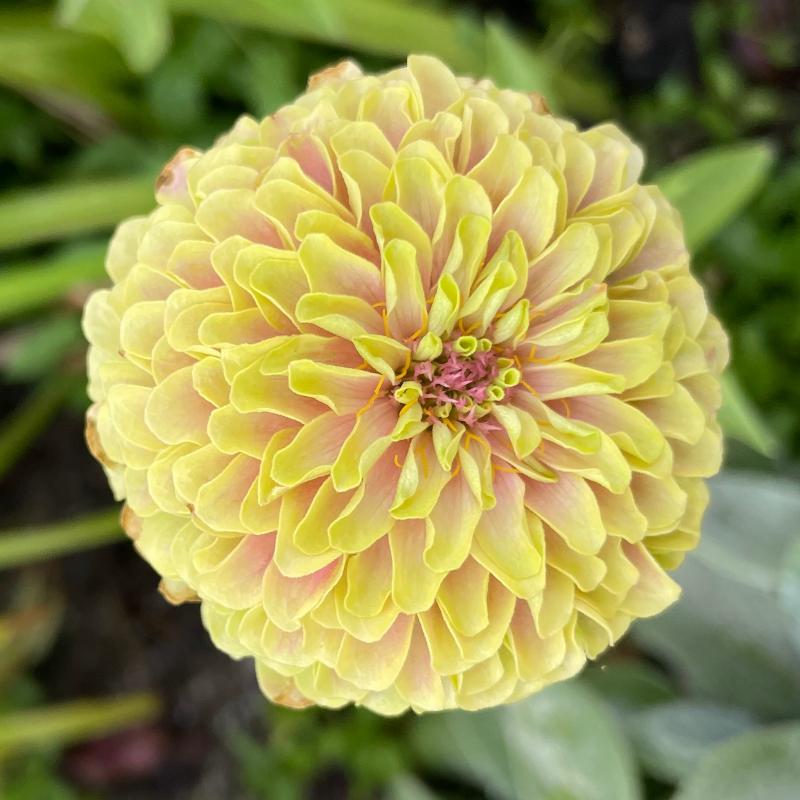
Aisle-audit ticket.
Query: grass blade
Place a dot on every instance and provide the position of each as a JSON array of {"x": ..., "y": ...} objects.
[
  {"x": 51, "y": 212},
  {"x": 29, "y": 545},
  {"x": 68, "y": 723},
  {"x": 20, "y": 428},
  {"x": 29, "y": 285}
]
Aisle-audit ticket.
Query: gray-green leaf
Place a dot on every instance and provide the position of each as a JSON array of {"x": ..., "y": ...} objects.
[
  {"x": 671, "y": 738},
  {"x": 761, "y": 765},
  {"x": 711, "y": 187},
  {"x": 741, "y": 420},
  {"x": 561, "y": 744},
  {"x": 727, "y": 637}
]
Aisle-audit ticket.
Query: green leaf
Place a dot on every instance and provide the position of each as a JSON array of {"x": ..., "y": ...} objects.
[
  {"x": 44, "y": 542},
  {"x": 789, "y": 592},
  {"x": 19, "y": 429},
  {"x": 28, "y": 285},
  {"x": 727, "y": 637},
  {"x": 561, "y": 744},
  {"x": 73, "y": 76},
  {"x": 407, "y": 787},
  {"x": 38, "y": 349},
  {"x": 741, "y": 420},
  {"x": 711, "y": 187},
  {"x": 628, "y": 685},
  {"x": 514, "y": 65},
  {"x": 141, "y": 30},
  {"x": 45, "y": 213},
  {"x": 382, "y": 27},
  {"x": 761, "y": 765},
  {"x": 72, "y": 722},
  {"x": 671, "y": 738}
]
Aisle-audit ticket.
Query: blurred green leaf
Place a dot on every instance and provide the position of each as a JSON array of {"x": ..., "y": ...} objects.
[
  {"x": 29, "y": 622},
  {"x": 628, "y": 685},
  {"x": 789, "y": 591},
  {"x": 407, "y": 787},
  {"x": 742, "y": 420},
  {"x": 381, "y": 27},
  {"x": 709, "y": 188},
  {"x": 514, "y": 65},
  {"x": 40, "y": 348},
  {"x": 562, "y": 743},
  {"x": 45, "y": 213},
  {"x": 19, "y": 429},
  {"x": 761, "y": 765},
  {"x": 141, "y": 30},
  {"x": 727, "y": 637},
  {"x": 44, "y": 542},
  {"x": 29, "y": 285},
  {"x": 36, "y": 777},
  {"x": 671, "y": 738},
  {"x": 72, "y": 722},
  {"x": 76, "y": 77}
]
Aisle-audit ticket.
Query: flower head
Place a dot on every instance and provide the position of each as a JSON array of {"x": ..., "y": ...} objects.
[{"x": 409, "y": 384}]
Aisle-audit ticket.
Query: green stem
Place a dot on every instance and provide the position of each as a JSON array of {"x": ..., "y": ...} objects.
[
  {"x": 51, "y": 212},
  {"x": 40, "y": 543},
  {"x": 72, "y": 722},
  {"x": 20, "y": 428}
]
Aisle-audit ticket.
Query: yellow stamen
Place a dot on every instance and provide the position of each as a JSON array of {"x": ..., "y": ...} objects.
[
  {"x": 396, "y": 460},
  {"x": 405, "y": 368},
  {"x": 385, "y": 318},
  {"x": 501, "y": 468},
  {"x": 372, "y": 399},
  {"x": 406, "y": 407},
  {"x": 471, "y": 328},
  {"x": 456, "y": 471},
  {"x": 529, "y": 387},
  {"x": 416, "y": 333},
  {"x": 567, "y": 410},
  {"x": 423, "y": 457}
]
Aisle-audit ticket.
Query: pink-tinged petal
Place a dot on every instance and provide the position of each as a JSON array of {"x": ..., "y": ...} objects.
[
  {"x": 463, "y": 598},
  {"x": 367, "y": 516},
  {"x": 414, "y": 583},
  {"x": 313, "y": 450},
  {"x": 343, "y": 389},
  {"x": 175, "y": 412},
  {"x": 570, "y": 508},
  {"x": 376, "y": 665},
  {"x": 535, "y": 655},
  {"x": 504, "y": 542},
  {"x": 310, "y": 153},
  {"x": 236, "y": 581},
  {"x": 287, "y": 600},
  {"x": 369, "y": 579},
  {"x": 218, "y": 503},
  {"x": 331, "y": 269},
  {"x": 418, "y": 682},
  {"x": 529, "y": 209}
]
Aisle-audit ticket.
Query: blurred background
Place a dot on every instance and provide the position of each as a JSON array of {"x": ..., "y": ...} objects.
[{"x": 107, "y": 692}]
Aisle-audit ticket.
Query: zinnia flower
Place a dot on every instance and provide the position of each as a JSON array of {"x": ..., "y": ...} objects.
[{"x": 409, "y": 384}]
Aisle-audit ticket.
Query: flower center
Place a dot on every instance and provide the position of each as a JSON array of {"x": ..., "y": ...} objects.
[{"x": 460, "y": 382}]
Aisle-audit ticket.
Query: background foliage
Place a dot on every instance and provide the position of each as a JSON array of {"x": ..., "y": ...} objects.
[{"x": 106, "y": 693}]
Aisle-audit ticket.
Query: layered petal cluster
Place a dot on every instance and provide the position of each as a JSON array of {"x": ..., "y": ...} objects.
[{"x": 409, "y": 384}]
